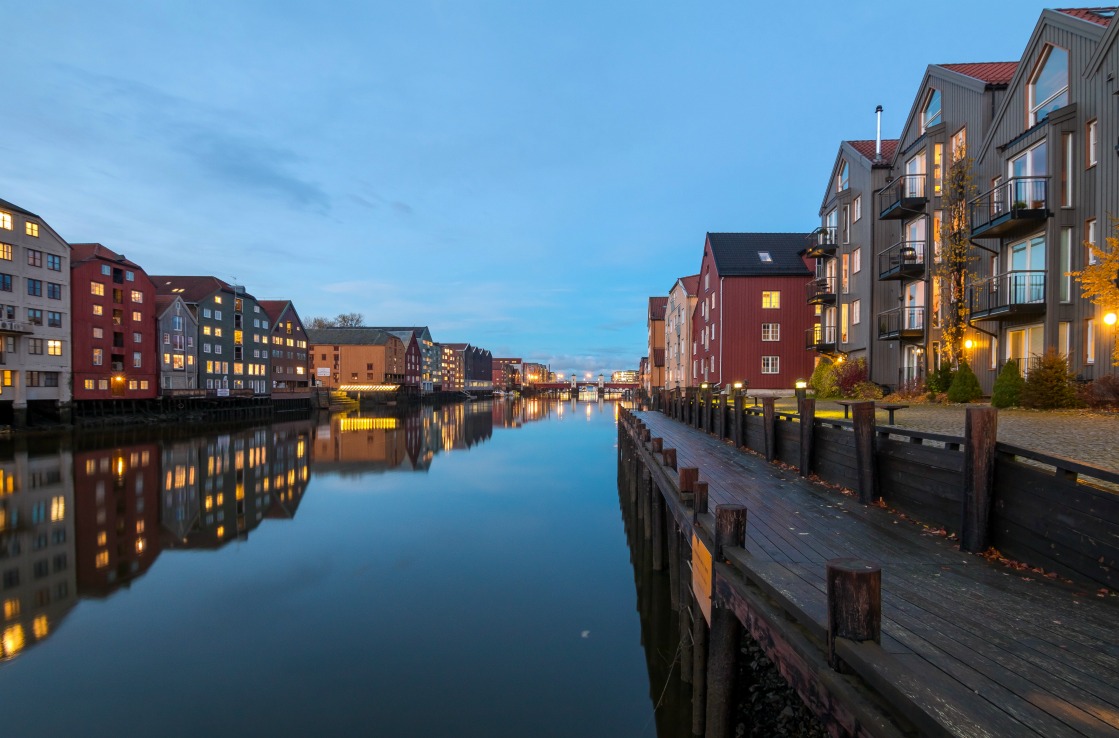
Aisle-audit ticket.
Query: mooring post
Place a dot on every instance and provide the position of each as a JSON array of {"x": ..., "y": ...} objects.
[
  {"x": 980, "y": 437},
  {"x": 770, "y": 428},
  {"x": 643, "y": 484},
  {"x": 669, "y": 456},
  {"x": 658, "y": 523},
  {"x": 863, "y": 415},
  {"x": 726, "y": 632},
  {"x": 658, "y": 445},
  {"x": 736, "y": 423},
  {"x": 807, "y": 428},
  {"x": 699, "y": 671},
  {"x": 721, "y": 415},
  {"x": 854, "y": 590},
  {"x": 688, "y": 477},
  {"x": 672, "y": 538},
  {"x": 699, "y": 489}
]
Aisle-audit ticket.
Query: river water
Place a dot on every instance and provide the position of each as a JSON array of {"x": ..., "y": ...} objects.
[{"x": 452, "y": 571}]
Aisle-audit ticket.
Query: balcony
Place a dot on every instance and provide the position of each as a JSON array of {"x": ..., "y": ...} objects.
[
  {"x": 1008, "y": 296},
  {"x": 1015, "y": 207},
  {"x": 821, "y": 291},
  {"x": 821, "y": 243},
  {"x": 903, "y": 260},
  {"x": 820, "y": 338},
  {"x": 902, "y": 324},
  {"x": 11, "y": 327},
  {"x": 903, "y": 198}
]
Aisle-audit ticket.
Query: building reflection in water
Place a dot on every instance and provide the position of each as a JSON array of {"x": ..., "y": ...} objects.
[{"x": 86, "y": 523}]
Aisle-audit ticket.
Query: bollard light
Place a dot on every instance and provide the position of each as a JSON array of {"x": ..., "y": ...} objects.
[{"x": 801, "y": 384}]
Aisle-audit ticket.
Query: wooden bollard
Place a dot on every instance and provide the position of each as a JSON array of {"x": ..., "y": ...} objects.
[
  {"x": 854, "y": 591},
  {"x": 724, "y": 644},
  {"x": 646, "y": 435},
  {"x": 980, "y": 436},
  {"x": 669, "y": 455},
  {"x": 658, "y": 445},
  {"x": 770, "y": 428},
  {"x": 736, "y": 420},
  {"x": 699, "y": 503},
  {"x": 659, "y": 514},
  {"x": 863, "y": 415},
  {"x": 688, "y": 477},
  {"x": 807, "y": 428},
  {"x": 699, "y": 671}
]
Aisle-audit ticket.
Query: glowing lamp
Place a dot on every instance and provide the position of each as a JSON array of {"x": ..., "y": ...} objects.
[
  {"x": 968, "y": 343},
  {"x": 1109, "y": 318},
  {"x": 703, "y": 385},
  {"x": 801, "y": 384},
  {"x": 738, "y": 385}
]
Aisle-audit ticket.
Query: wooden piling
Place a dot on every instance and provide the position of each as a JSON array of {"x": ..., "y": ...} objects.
[
  {"x": 770, "y": 428},
  {"x": 672, "y": 538},
  {"x": 688, "y": 477},
  {"x": 980, "y": 436},
  {"x": 669, "y": 456},
  {"x": 699, "y": 672},
  {"x": 658, "y": 522},
  {"x": 807, "y": 427},
  {"x": 854, "y": 591},
  {"x": 657, "y": 445},
  {"x": 699, "y": 489},
  {"x": 736, "y": 421},
  {"x": 726, "y": 632},
  {"x": 863, "y": 416}
]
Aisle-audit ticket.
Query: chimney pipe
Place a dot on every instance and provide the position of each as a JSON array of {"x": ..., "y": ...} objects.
[{"x": 878, "y": 136}]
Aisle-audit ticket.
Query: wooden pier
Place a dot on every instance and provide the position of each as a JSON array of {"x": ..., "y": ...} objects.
[{"x": 883, "y": 626}]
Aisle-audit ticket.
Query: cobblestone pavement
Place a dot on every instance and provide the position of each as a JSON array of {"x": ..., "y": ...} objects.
[{"x": 1090, "y": 437}]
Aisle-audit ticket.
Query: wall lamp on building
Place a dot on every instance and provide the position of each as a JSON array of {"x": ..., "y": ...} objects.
[
  {"x": 969, "y": 344},
  {"x": 1110, "y": 318}
]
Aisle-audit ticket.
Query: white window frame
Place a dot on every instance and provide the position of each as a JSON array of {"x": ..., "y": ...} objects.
[{"x": 771, "y": 365}]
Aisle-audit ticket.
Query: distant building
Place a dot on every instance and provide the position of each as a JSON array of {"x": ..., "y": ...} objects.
[
  {"x": 432, "y": 374},
  {"x": 655, "y": 378},
  {"x": 533, "y": 373},
  {"x": 643, "y": 372},
  {"x": 177, "y": 333},
  {"x": 35, "y": 317},
  {"x": 470, "y": 370},
  {"x": 291, "y": 362},
  {"x": 626, "y": 375},
  {"x": 506, "y": 373},
  {"x": 356, "y": 356},
  {"x": 413, "y": 360},
  {"x": 116, "y": 356},
  {"x": 678, "y": 333}
]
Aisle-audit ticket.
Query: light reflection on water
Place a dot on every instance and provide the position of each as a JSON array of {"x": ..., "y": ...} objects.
[{"x": 287, "y": 580}]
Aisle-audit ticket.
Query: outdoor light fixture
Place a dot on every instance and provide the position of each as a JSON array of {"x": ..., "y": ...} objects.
[
  {"x": 1109, "y": 319},
  {"x": 968, "y": 344},
  {"x": 703, "y": 385},
  {"x": 801, "y": 384},
  {"x": 738, "y": 385}
]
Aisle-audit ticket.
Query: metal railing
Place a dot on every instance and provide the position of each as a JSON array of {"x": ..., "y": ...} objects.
[
  {"x": 1004, "y": 292},
  {"x": 823, "y": 239},
  {"x": 903, "y": 257},
  {"x": 896, "y": 322},
  {"x": 818, "y": 336},
  {"x": 906, "y": 187},
  {"x": 820, "y": 289},
  {"x": 1020, "y": 197}
]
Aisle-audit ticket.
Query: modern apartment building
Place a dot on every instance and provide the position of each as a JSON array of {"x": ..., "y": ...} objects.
[
  {"x": 751, "y": 313},
  {"x": 291, "y": 363},
  {"x": 177, "y": 334},
  {"x": 1048, "y": 186},
  {"x": 35, "y": 317},
  {"x": 115, "y": 353},
  {"x": 678, "y": 333},
  {"x": 655, "y": 324},
  {"x": 466, "y": 368}
]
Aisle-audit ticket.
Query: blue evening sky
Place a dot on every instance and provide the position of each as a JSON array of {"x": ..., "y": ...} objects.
[{"x": 520, "y": 175}]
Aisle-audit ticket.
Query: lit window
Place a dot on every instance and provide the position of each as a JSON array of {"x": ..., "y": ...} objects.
[
  {"x": 1048, "y": 86},
  {"x": 54, "y": 348},
  {"x": 98, "y": 356},
  {"x": 771, "y": 299},
  {"x": 98, "y": 310},
  {"x": 137, "y": 296},
  {"x": 88, "y": 384},
  {"x": 217, "y": 299},
  {"x": 102, "y": 559},
  {"x": 5, "y": 220},
  {"x": 96, "y": 288},
  {"x": 32, "y": 229},
  {"x": 137, "y": 316},
  {"x": 930, "y": 114},
  {"x": 6, "y": 251}
]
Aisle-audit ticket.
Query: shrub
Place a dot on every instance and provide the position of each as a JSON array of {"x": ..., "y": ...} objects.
[
  {"x": 939, "y": 380},
  {"x": 910, "y": 390},
  {"x": 849, "y": 375},
  {"x": 1101, "y": 393},
  {"x": 1008, "y": 386},
  {"x": 867, "y": 391},
  {"x": 1049, "y": 384},
  {"x": 965, "y": 387},
  {"x": 823, "y": 378}
]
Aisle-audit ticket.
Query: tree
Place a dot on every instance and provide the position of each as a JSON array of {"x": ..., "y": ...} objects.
[
  {"x": 1008, "y": 386},
  {"x": 952, "y": 265},
  {"x": 319, "y": 322},
  {"x": 1099, "y": 282},
  {"x": 1049, "y": 383},
  {"x": 965, "y": 386},
  {"x": 349, "y": 320}
]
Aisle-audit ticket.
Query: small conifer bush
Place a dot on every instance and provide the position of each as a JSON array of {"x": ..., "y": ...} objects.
[
  {"x": 1008, "y": 386},
  {"x": 1049, "y": 384},
  {"x": 965, "y": 386}
]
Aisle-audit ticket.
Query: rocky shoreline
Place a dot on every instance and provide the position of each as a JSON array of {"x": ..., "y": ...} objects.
[{"x": 767, "y": 705}]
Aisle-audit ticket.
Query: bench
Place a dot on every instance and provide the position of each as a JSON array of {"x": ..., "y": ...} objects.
[
  {"x": 891, "y": 408},
  {"x": 847, "y": 407}
]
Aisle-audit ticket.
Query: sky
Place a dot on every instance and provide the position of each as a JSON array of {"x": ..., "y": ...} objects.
[{"x": 520, "y": 175}]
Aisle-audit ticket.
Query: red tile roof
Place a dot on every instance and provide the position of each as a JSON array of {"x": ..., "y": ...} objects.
[
  {"x": 194, "y": 289},
  {"x": 657, "y": 307},
  {"x": 993, "y": 73},
  {"x": 80, "y": 252},
  {"x": 691, "y": 284},
  {"x": 1099, "y": 16},
  {"x": 273, "y": 308},
  {"x": 866, "y": 148}
]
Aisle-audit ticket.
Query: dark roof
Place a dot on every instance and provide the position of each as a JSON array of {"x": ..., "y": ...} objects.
[
  {"x": 80, "y": 252},
  {"x": 738, "y": 254},
  {"x": 349, "y": 336},
  {"x": 194, "y": 289},
  {"x": 4, "y": 204},
  {"x": 1099, "y": 16},
  {"x": 866, "y": 148},
  {"x": 690, "y": 284},
  {"x": 993, "y": 73},
  {"x": 657, "y": 306},
  {"x": 406, "y": 336},
  {"x": 273, "y": 308}
]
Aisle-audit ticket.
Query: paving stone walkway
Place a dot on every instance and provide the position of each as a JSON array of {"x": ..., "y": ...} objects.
[{"x": 1090, "y": 437}]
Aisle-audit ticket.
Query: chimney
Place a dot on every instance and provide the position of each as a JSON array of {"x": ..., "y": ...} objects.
[{"x": 878, "y": 136}]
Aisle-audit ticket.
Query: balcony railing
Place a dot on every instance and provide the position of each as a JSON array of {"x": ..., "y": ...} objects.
[
  {"x": 1016, "y": 206},
  {"x": 901, "y": 324},
  {"x": 1009, "y": 295},
  {"x": 822, "y": 242},
  {"x": 820, "y": 338},
  {"x": 821, "y": 291},
  {"x": 903, "y": 260},
  {"x": 902, "y": 198}
]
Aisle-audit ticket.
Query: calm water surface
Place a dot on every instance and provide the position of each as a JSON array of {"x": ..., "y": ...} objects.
[{"x": 459, "y": 571}]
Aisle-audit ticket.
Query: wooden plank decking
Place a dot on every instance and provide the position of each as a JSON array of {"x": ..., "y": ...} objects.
[{"x": 979, "y": 648}]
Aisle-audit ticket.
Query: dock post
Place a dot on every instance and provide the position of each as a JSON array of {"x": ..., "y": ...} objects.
[
  {"x": 980, "y": 436},
  {"x": 770, "y": 426},
  {"x": 863, "y": 415},
  {"x": 699, "y": 672},
  {"x": 700, "y": 502},
  {"x": 854, "y": 591},
  {"x": 688, "y": 477},
  {"x": 726, "y": 632},
  {"x": 807, "y": 423},
  {"x": 669, "y": 456},
  {"x": 658, "y": 445},
  {"x": 672, "y": 536},
  {"x": 658, "y": 522},
  {"x": 721, "y": 417},
  {"x": 685, "y": 601},
  {"x": 736, "y": 422}
]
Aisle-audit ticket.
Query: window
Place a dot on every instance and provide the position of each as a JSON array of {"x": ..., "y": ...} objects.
[
  {"x": 34, "y": 258},
  {"x": 217, "y": 314},
  {"x": 771, "y": 364},
  {"x": 1048, "y": 86},
  {"x": 930, "y": 114},
  {"x": 54, "y": 262},
  {"x": 206, "y": 312},
  {"x": 766, "y": 257},
  {"x": 136, "y": 337},
  {"x": 217, "y": 299},
  {"x": 31, "y": 229},
  {"x": 856, "y": 311},
  {"x": 857, "y": 260},
  {"x": 54, "y": 291},
  {"x": 176, "y": 323},
  {"x": 1066, "y": 170},
  {"x": 938, "y": 169},
  {"x": 846, "y": 224},
  {"x": 137, "y": 359},
  {"x": 106, "y": 270},
  {"x": 88, "y": 384},
  {"x": 857, "y": 208},
  {"x": 843, "y": 177},
  {"x": 843, "y": 314},
  {"x": 130, "y": 276},
  {"x": 98, "y": 310},
  {"x": 35, "y": 287},
  {"x": 98, "y": 357},
  {"x": 6, "y": 282},
  {"x": 54, "y": 319},
  {"x": 1093, "y": 141},
  {"x": 6, "y": 251},
  {"x": 1090, "y": 342},
  {"x": 137, "y": 316},
  {"x": 5, "y": 220},
  {"x": 958, "y": 148},
  {"x": 98, "y": 332},
  {"x": 771, "y": 299},
  {"x": 35, "y": 346},
  {"x": 1066, "y": 264},
  {"x": 844, "y": 273},
  {"x": 97, "y": 288},
  {"x": 54, "y": 348},
  {"x": 771, "y": 331},
  {"x": 137, "y": 296}
]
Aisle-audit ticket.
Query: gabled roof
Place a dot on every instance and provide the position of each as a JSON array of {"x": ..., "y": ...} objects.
[
  {"x": 1099, "y": 16},
  {"x": 194, "y": 289},
  {"x": 163, "y": 303},
  {"x": 456, "y": 346},
  {"x": 993, "y": 73},
  {"x": 866, "y": 148},
  {"x": 349, "y": 336},
  {"x": 80, "y": 252},
  {"x": 274, "y": 308},
  {"x": 406, "y": 336},
  {"x": 690, "y": 285},
  {"x": 5, "y": 205},
  {"x": 657, "y": 307},
  {"x": 739, "y": 254}
]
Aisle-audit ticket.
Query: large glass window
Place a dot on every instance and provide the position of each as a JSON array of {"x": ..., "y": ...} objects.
[
  {"x": 1048, "y": 87},
  {"x": 842, "y": 179},
  {"x": 930, "y": 114}
]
